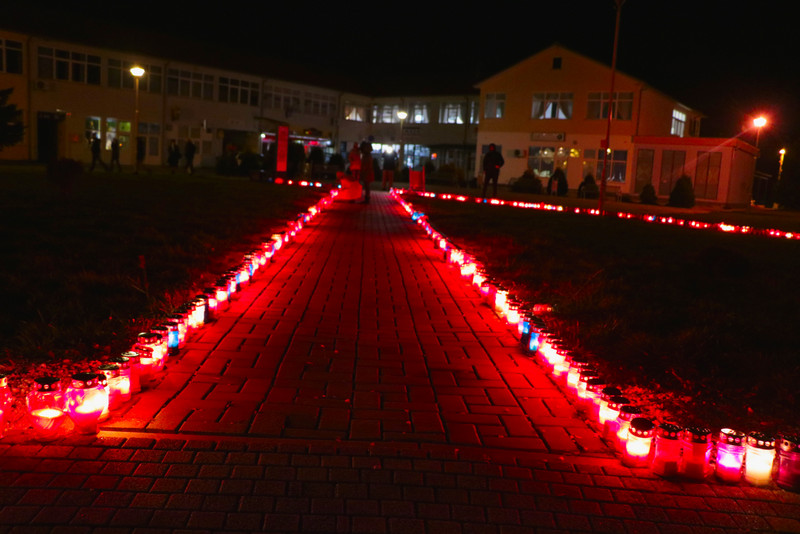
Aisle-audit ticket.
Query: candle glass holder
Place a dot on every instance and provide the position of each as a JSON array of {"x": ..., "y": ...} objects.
[
  {"x": 124, "y": 382},
  {"x": 5, "y": 403},
  {"x": 787, "y": 474},
  {"x": 626, "y": 414},
  {"x": 639, "y": 442},
  {"x": 695, "y": 460},
  {"x": 134, "y": 361},
  {"x": 730, "y": 455},
  {"x": 46, "y": 407},
  {"x": 667, "y": 452},
  {"x": 114, "y": 381},
  {"x": 86, "y": 398},
  {"x": 759, "y": 458}
]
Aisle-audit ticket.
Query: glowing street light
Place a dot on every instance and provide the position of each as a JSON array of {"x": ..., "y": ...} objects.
[
  {"x": 402, "y": 115},
  {"x": 758, "y": 123},
  {"x": 137, "y": 72}
]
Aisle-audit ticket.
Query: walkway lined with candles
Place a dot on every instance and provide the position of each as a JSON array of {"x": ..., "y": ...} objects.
[{"x": 358, "y": 384}]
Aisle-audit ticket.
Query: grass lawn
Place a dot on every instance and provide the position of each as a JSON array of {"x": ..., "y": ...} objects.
[
  {"x": 82, "y": 271},
  {"x": 700, "y": 324}
]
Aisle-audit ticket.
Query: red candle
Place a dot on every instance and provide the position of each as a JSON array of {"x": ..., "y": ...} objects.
[
  {"x": 667, "y": 450},
  {"x": 86, "y": 399},
  {"x": 696, "y": 446},
  {"x": 46, "y": 407},
  {"x": 639, "y": 443}
]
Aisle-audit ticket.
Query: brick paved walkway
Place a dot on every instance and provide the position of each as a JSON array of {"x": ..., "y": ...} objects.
[{"x": 357, "y": 386}]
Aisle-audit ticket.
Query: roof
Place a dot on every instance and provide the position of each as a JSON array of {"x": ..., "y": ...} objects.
[{"x": 560, "y": 47}]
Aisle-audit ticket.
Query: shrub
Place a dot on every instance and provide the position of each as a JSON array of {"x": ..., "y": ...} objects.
[
  {"x": 64, "y": 173},
  {"x": 682, "y": 195},
  {"x": 648, "y": 195},
  {"x": 527, "y": 183}
]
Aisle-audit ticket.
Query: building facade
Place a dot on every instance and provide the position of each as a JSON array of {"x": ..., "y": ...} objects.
[
  {"x": 551, "y": 111},
  {"x": 69, "y": 93}
]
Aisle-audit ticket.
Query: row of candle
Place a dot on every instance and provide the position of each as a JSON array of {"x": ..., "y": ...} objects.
[
  {"x": 669, "y": 450},
  {"x": 673, "y": 221},
  {"x": 89, "y": 397}
]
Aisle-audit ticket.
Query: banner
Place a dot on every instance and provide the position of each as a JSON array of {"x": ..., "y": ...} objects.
[{"x": 283, "y": 148}]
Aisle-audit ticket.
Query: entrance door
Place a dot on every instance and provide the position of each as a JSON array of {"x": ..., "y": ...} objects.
[{"x": 47, "y": 138}]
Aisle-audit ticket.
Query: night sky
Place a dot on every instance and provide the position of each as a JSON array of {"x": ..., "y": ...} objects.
[{"x": 728, "y": 59}]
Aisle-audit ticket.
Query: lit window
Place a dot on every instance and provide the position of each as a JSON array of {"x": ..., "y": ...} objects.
[
  {"x": 495, "y": 106},
  {"x": 451, "y": 113},
  {"x": 354, "y": 112},
  {"x": 385, "y": 114},
  {"x": 552, "y": 106},
  {"x": 678, "y": 123},
  {"x": 419, "y": 114}
]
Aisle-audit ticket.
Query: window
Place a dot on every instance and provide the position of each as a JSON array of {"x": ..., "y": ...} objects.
[
  {"x": 495, "y": 106},
  {"x": 354, "y": 112},
  {"x": 282, "y": 98},
  {"x": 552, "y": 106},
  {"x": 678, "y": 123},
  {"x": 556, "y": 63},
  {"x": 706, "y": 180},
  {"x": 190, "y": 84},
  {"x": 91, "y": 128},
  {"x": 68, "y": 66},
  {"x": 418, "y": 114},
  {"x": 616, "y": 162},
  {"x": 386, "y": 114},
  {"x": 622, "y": 106},
  {"x": 319, "y": 105},
  {"x": 237, "y": 91},
  {"x": 644, "y": 168},
  {"x": 541, "y": 159},
  {"x": 451, "y": 113},
  {"x": 672, "y": 163},
  {"x": 10, "y": 56},
  {"x": 474, "y": 112},
  {"x": 151, "y": 131}
]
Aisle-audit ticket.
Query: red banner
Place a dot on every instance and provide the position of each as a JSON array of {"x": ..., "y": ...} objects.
[{"x": 283, "y": 148}]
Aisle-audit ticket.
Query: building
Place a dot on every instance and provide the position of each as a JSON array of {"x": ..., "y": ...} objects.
[
  {"x": 551, "y": 111},
  {"x": 70, "y": 92}
]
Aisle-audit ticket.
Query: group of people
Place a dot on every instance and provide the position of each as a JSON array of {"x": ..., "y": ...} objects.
[
  {"x": 361, "y": 168},
  {"x": 173, "y": 154}
]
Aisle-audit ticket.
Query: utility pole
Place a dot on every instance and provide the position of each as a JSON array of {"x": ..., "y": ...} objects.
[{"x": 606, "y": 145}]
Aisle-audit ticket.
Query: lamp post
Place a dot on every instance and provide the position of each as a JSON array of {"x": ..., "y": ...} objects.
[
  {"x": 402, "y": 116},
  {"x": 607, "y": 144},
  {"x": 137, "y": 72}
]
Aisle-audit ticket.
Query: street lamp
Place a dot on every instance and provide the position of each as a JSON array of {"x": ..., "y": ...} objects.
[
  {"x": 402, "y": 116},
  {"x": 759, "y": 122},
  {"x": 137, "y": 72}
]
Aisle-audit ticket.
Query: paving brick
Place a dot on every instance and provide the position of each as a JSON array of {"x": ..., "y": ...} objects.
[{"x": 359, "y": 386}]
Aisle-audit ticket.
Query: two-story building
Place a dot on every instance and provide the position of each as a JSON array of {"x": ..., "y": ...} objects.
[
  {"x": 70, "y": 92},
  {"x": 551, "y": 111}
]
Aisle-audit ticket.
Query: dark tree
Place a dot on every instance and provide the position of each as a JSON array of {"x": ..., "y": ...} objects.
[{"x": 11, "y": 128}]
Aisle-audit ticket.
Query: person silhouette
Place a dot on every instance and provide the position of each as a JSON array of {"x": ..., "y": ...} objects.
[
  {"x": 95, "y": 148},
  {"x": 492, "y": 162}
]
